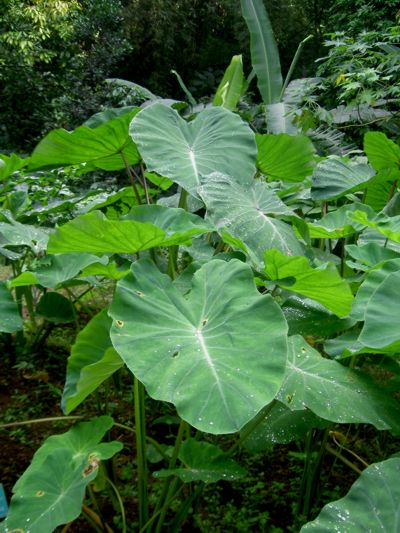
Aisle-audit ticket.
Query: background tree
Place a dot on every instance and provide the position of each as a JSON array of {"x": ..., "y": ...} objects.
[{"x": 52, "y": 49}]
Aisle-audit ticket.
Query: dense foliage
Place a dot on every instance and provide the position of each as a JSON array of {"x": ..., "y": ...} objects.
[{"x": 247, "y": 261}]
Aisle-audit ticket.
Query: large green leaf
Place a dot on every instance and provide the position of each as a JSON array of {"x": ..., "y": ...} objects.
[
  {"x": 105, "y": 146},
  {"x": 94, "y": 233},
  {"x": 285, "y": 157},
  {"x": 205, "y": 462},
  {"x": 179, "y": 225},
  {"x": 334, "y": 392},
  {"x": 54, "y": 270},
  {"x": 372, "y": 503},
  {"x": 334, "y": 177},
  {"x": 282, "y": 426},
  {"x": 322, "y": 284},
  {"x": 10, "y": 319},
  {"x": 308, "y": 317},
  {"x": 382, "y": 152},
  {"x": 218, "y": 354},
  {"x": 244, "y": 212},
  {"x": 184, "y": 151},
  {"x": 264, "y": 51},
  {"x": 92, "y": 360},
  {"x": 382, "y": 315},
  {"x": 51, "y": 490},
  {"x": 230, "y": 88}
]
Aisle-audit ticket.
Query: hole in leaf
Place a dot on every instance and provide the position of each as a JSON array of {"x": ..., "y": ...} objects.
[
  {"x": 175, "y": 354},
  {"x": 40, "y": 493},
  {"x": 204, "y": 321},
  {"x": 92, "y": 466},
  {"x": 140, "y": 293},
  {"x": 119, "y": 323}
]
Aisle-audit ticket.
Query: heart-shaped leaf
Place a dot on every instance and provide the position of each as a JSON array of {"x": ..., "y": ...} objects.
[
  {"x": 95, "y": 233},
  {"x": 51, "y": 490},
  {"x": 205, "y": 462},
  {"x": 218, "y": 354},
  {"x": 184, "y": 151},
  {"x": 107, "y": 146},
  {"x": 335, "y": 392},
  {"x": 243, "y": 212},
  {"x": 372, "y": 503}
]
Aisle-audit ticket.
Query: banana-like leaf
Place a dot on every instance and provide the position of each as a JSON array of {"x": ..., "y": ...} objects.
[
  {"x": 107, "y": 146},
  {"x": 245, "y": 211},
  {"x": 372, "y": 503},
  {"x": 216, "y": 140},
  {"x": 10, "y": 319},
  {"x": 51, "y": 490},
  {"x": 334, "y": 177},
  {"x": 92, "y": 360},
  {"x": 205, "y": 462},
  {"x": 264, "y": 51},
  {"x": 321, "y": 284},
  {"x": 231, "y": 87},
  {"x": 218, "y": 353},
  {"x": 334, "y": 392},
  {"x": 296, "y": 165}
]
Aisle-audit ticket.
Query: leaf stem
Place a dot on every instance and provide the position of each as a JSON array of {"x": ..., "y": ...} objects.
[
  {"x": 131, "y": 178},
  {"x": 40, "y": 421},
  {"x": 166, "y": 494},
  {"x": 121, "y": 504},
  {"x": 140, "y": 424}
]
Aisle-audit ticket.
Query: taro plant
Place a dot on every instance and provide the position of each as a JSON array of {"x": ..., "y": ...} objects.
[
  {"x": 255, "y": 293},
  {"x": 249, "y": 300}
]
